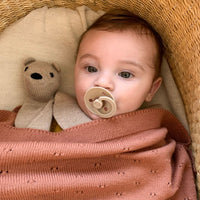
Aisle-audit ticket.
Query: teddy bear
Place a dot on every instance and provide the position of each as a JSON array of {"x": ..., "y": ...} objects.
[
  {"x": 43, "y": 100},
  {"x": 41, "y": 81}
]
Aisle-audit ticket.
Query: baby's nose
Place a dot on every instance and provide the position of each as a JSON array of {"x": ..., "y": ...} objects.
[{"x": 104, "y": 82}]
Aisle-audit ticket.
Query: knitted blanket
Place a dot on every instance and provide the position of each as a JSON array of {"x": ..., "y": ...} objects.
[{"x": 140, "y": 155}]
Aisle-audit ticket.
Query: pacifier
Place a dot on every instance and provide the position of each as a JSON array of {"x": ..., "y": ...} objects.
[{"x": 100, "y": 102}]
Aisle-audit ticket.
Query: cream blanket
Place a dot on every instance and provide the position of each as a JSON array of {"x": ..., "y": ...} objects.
[{"x": 38, "y": 115}]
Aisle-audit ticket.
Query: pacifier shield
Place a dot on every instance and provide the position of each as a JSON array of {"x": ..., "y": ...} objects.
[{"x": 100, "y": 101}]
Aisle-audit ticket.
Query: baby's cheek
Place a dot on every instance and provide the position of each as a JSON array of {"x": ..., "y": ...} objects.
[
  {"x": 80, "y": 102},
  {"x": 79, "y": 86},
  {"x": 125, "y": 105}
]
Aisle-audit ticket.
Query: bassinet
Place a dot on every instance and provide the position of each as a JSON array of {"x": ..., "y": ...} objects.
[{"x": 178, "y": 23}]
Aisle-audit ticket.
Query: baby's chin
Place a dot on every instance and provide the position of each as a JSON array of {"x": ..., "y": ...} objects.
[{"x": 92, "y": 116}]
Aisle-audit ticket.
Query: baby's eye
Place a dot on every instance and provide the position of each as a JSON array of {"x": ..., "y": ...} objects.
[
  {"x": 125, "y": 74},
  {"x": 91, "y": 69}
]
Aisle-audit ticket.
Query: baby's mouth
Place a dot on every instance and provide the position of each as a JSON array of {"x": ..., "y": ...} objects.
[{"x": 100, "y": 102}]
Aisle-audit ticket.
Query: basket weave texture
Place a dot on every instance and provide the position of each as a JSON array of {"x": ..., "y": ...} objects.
[{"x": 178, "y": 23}]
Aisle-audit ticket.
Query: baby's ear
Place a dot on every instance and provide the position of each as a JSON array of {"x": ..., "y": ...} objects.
[
  {"x": 154, "y": 88},
  {"x": 29, "y": 60},
  {"x": 56, "y": 66}
]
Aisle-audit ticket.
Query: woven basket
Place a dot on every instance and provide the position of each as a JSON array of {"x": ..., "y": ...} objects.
[{"x": 177, "y": 21}]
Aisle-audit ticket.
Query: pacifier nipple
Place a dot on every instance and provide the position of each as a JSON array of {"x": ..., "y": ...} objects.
[
  {"x": 97, "y": 104},
  {"x": 100, "y": 101}
]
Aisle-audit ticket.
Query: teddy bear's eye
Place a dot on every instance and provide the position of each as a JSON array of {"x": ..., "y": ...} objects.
[
  {"x": 26, "y": 69},
  {"x": 51, "y": 74}
]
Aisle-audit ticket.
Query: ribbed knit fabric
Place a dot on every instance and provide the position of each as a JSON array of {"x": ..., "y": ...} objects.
[{"x": 140, "y": 155}]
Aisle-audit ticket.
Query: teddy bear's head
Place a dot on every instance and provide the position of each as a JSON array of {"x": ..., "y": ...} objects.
[{"x": 41, "y": 79}]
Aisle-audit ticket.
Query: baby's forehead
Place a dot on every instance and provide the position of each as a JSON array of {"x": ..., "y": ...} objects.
[
  {"x": 131, "y": 39},
  {"x": 95, "y": 35},
  {"x": 142, "y": 33}
]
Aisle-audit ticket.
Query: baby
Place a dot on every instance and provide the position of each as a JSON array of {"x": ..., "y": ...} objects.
[
  {"x": 139, "y": 155},
  {"x": 121, "y": 53}
]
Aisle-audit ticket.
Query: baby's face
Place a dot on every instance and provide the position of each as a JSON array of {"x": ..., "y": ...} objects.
[{"x": 121, "y": 62}]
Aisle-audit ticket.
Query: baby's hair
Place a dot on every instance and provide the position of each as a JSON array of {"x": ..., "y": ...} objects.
[{"x": 123, "y": 20}]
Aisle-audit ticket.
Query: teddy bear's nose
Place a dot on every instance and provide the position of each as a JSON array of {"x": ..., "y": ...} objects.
[{"x": 36, "y": 76}]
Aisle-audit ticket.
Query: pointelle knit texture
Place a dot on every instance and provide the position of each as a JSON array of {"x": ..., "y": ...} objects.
[{"x": 139, "y": 155}]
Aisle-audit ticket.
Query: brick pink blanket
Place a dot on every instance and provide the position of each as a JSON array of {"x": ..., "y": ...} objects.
[{"x": 142, "y": 155}]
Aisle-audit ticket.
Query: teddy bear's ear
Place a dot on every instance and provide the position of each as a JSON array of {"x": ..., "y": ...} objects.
[
  {"x": 29, "y": 60},
  {"x": 56, "y": 66}
]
